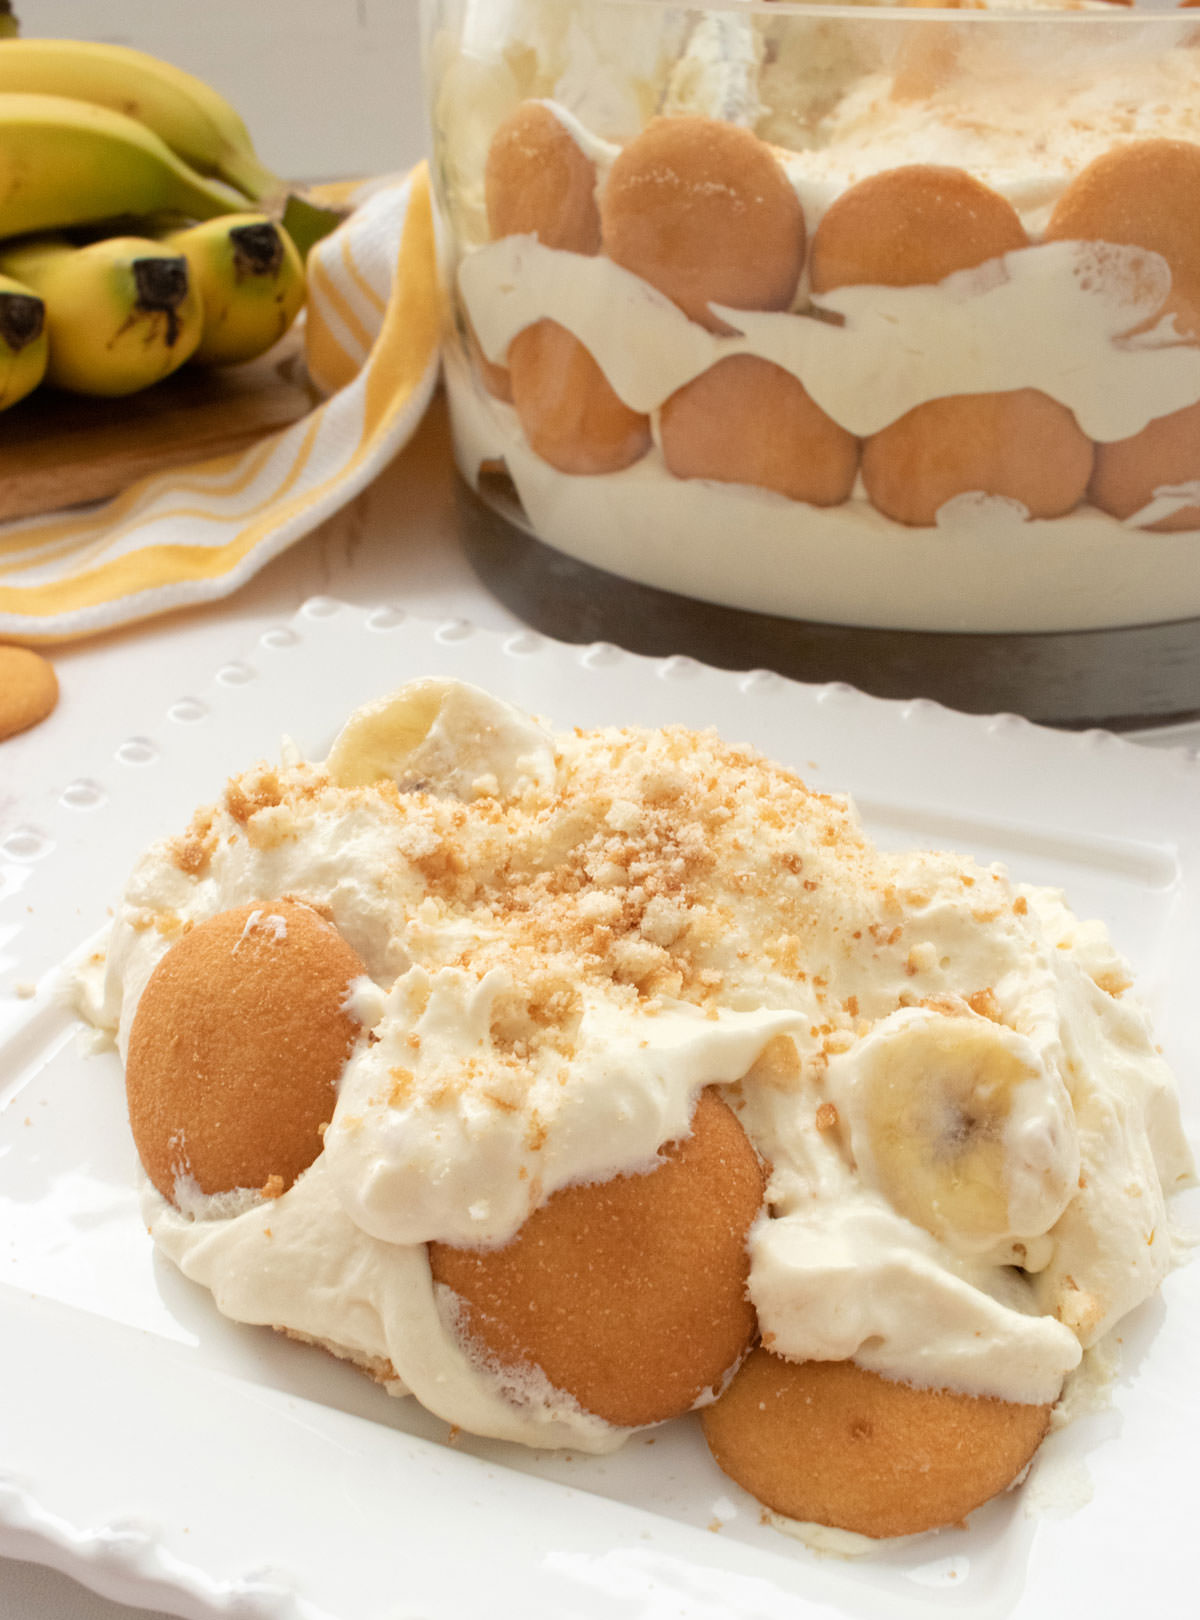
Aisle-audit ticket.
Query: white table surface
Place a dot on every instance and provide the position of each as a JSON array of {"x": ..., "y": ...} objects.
[{"x": 329, "y": 88}]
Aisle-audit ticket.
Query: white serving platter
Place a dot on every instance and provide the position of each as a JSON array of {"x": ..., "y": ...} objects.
[{"x": 171, "y": 1459}]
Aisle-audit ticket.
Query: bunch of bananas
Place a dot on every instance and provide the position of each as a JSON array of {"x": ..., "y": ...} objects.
[{"x": 128, "y": 244}]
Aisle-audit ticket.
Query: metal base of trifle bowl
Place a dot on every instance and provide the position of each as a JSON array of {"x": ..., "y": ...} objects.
[{"x": 1120, "y": 679}]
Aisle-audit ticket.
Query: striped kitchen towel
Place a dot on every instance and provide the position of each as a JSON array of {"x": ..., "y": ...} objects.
[{"x": 197, "y": 533}]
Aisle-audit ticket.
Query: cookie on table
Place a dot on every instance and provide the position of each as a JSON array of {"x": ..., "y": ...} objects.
[
  {"x": 28, "y": 690},
  {"x": 746, "y": 421},
  {"x": 628, "y": 1294},
  {"x": 237, "y": 1048},
  {"x": 914, "y": 226},
  {"x": 827, "y": 1442},
  {"x": 568, "y": 411},
  {"x": 704, "y": 212}
]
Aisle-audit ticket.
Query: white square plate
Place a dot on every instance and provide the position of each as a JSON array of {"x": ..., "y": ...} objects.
[{"x": 167, "y": 1457}]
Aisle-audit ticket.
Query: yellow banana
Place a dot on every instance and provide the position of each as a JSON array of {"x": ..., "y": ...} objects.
[
  {"x": 120, "y": 314},
  {"x": 66, "y": 162},
  {"x": 192, "y": 118},
  {"x": 23, "y": 344},
  {"x": 250, "y": 280}
]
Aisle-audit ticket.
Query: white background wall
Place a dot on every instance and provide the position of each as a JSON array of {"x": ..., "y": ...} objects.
[{"x": 329, "y": 88}]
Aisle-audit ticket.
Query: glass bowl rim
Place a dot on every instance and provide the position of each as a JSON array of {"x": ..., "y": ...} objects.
[{"x": 1109, "y": 13}]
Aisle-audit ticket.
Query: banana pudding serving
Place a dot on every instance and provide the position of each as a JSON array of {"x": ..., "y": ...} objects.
[
  {"x": 573, "y": 1082},
  {"x": 906, "y": 302}
]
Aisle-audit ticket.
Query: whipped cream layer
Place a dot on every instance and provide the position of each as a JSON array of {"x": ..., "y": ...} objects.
[
  {"x": 970, "y": 1134},
  {"x": 543, "y": 1115},
  {"x": 1045, "y": 317}
]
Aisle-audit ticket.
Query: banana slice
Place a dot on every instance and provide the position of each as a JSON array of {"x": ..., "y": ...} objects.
[
  {"x": 443, "y": 735},
  {"x": 717, "y": 74},
  {"x": 961, "y": 1125}
]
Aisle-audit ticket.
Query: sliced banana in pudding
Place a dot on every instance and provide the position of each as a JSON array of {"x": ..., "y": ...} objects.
[{"x": 962, "y": 1126}]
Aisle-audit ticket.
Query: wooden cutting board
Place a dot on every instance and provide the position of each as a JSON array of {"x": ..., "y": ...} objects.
[{"x": 61, "y": 450}]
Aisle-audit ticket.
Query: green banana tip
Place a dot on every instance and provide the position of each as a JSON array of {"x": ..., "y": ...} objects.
[{"x": 308, "y": 222}]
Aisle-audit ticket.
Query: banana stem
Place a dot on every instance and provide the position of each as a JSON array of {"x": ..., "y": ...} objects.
[
  {"x": 22, "y": 319},
  {"x": 9, "y": 26},
  {"x": 307, "y": 222},
  {"x": 162, "y": 285}
]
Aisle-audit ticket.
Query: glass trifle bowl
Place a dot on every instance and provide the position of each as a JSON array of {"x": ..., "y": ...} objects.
[{"x": 862, "y": 342}]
